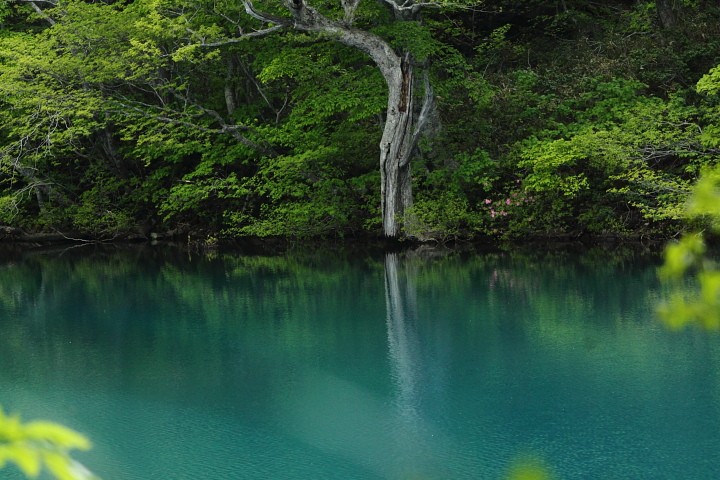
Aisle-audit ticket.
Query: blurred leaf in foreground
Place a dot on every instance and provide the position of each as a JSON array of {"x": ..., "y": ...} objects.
[{"x": 41, "y": 446}]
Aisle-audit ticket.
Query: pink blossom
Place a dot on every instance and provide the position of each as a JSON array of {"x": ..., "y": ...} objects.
[
  {"x": 508, "y": 202},
  {"x": 488, "y": 201}
]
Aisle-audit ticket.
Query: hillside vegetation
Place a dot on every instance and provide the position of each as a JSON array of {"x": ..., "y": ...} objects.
[{"x": 548, "y": 118}]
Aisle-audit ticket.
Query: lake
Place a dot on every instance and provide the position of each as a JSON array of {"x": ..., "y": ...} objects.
[{"x": 358, "y": 365}]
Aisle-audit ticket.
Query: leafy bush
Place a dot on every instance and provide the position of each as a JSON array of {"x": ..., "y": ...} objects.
[{"x": 446, "y": 217}]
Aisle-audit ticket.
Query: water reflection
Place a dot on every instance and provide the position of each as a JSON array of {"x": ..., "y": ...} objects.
[
  {"x": 422, "y": 449},
  {"x": 329, "y": 366},
  {"x": 343, "y": 418},
  {"x": 403, "y": 344}
]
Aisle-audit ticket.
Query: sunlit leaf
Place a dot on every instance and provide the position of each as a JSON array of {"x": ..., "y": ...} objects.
[
  {"x": 57, "y": 435},
  {"x": 529, "y": 469}
]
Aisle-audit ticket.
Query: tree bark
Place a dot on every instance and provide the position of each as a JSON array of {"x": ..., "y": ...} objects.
[
  {"x": 396, "y": 148},
  {"x": 230, "y": 102}
]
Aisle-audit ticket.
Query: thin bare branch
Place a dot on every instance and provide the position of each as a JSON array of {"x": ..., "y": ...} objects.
[
  {"x": 426, "y": 109},
  {"x": 265, "y": 17},
  {"x": 51, "y": 2},
  {"x": 413, "y": 6},
  {"x": 40, "y": 12},
  {"x": 349, "y": 7},
  {"x": 224, "y": 127},
  {"x": 260, "y": 90},
  {"x": 243, "y": 36}
]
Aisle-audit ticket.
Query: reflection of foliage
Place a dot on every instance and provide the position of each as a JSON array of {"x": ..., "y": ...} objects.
[
  {"x": 539, "y": 284},
  {"x": 257, "y": 315},
  {"x": 294, "y": 287},
  {"x": 241, "y": 291},
  {"x": 35, "y": 446}
]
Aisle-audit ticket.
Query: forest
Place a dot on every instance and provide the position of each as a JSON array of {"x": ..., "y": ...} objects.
[{"x": 428, "y": 121}]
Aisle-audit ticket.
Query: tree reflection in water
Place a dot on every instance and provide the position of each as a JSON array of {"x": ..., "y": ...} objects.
[
  {"x": 403, "y": 344},
  {"x": 322, "y": 365},
  {"x": 392, "y": 438}
]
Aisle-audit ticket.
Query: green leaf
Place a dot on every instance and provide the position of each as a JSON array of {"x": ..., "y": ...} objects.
[{"x": 57, "y": 435}]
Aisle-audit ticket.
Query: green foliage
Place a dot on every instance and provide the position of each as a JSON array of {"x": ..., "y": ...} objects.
[
  {"x": 41, "y": 446},
  {"x": 710, "y": 82},
  {"x": 696, "y": 302},
  {"x": 624, "y": 150},
  {"x": 116, "y": 117},
  {"x": 98, "y": 214},
  {"x": 442, "y": 218},
  {"x": 5, "y": 11},
  {"x": 705, "y": 201},
  {"x": 9, "y": 209},
  {"x": 317, "y": 185},
  {"x": 681, "y": 256},
  {"x": 496, "y": 45},
  {"x": 412, "y": 37},
  {"x": 301, "y": 193}
]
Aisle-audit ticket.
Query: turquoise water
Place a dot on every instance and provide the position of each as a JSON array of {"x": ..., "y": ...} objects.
[{"x": 358, "y": 366}]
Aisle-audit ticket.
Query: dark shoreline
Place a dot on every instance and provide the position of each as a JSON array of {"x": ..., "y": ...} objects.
[{"x": 19, "y": 242}]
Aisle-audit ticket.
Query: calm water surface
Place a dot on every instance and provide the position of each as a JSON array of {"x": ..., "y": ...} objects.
[{"x": 358, "y": 366}]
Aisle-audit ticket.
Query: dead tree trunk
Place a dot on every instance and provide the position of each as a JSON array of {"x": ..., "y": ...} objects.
[
  {"x": 404, "y": 122},
  {"x": 403, "y": 125},
  {"x": 396, "y": 148}
]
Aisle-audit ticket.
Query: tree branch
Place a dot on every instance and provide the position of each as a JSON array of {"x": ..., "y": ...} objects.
[
  {"x": 243, "y": 36},
  {"x": 349, "y": 7},
  {"x": 426, "y": 109},
  {"x": 411, "y": 7},
  {"x": 265, "y": 17},
  {"x": 45, "y": 16},
  {"x": 225, "y": 128}
]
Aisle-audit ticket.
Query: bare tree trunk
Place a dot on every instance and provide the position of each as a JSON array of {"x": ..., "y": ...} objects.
[
  {"x": 230, "y": 102},
  {"x": 404, "y": 121},
  {"x": 396, "y": 148}
]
